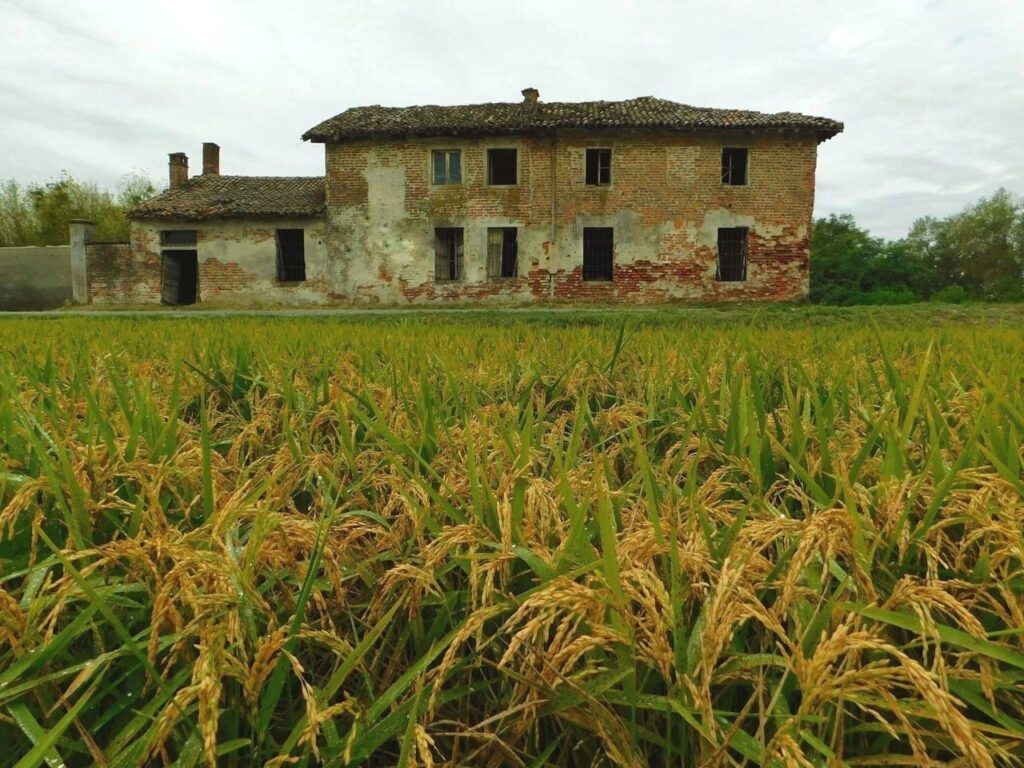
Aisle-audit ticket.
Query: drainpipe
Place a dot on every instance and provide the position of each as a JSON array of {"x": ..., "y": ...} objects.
[{"x": 551, "y": 250}]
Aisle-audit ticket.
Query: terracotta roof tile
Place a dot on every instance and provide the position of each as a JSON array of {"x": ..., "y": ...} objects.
[
  {"x": 645, "y": 113},
  {"x": 216, "y": 197}
]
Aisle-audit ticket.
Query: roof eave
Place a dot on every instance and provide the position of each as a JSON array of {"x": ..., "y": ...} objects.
[
  {"x": 319, "y": 137},
  {"x": 824, "y": 134},
  {"x": 211, "y": 216}
]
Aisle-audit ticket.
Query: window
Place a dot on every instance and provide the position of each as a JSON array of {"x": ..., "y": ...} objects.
[
  {"x": 172, "y": 238},
  {"x": 734, "y": 166},
  {"x": 447, "y": 166},
  {"x": 599, "y": 167},
  {"x": 502, "y": 248},
  {"x": 291, "y": 256},
  {"x": 732, "y": 254},
  {"x": 501, "y": 167},
  {"x": 597, "y": 253},
  {"x": 448, "y": 253}
]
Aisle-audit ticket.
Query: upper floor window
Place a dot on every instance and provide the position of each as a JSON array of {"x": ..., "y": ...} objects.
[
  {"x": 502, "y": 166},
  {"x": 734, "y": 166},
  {"x": 178, "y": 238},
  {"x": 447, "y": 166},
  {"x": 599, "y": 167},
  {"x": 291, "y": 255}
]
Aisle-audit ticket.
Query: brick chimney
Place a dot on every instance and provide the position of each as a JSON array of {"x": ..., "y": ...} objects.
[
  {"x": 211, "y": 159},
  {"x": 530, "y": 96},
  {"x": 178, "y": 167}
]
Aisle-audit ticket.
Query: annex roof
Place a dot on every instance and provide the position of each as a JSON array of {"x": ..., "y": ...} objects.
[
  {"x": 642, "y": 114},
  {"x": 215, "y": 197}
]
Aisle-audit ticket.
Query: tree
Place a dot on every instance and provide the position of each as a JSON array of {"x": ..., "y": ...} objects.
[
  {"x": 17, "y": 217},
  {"x": 988, "y": 241},
  {"x": 980, "y": 249},
  {"x": 841, "y": 255},
  {"x": 975, "y": 254},
  {"x": 134, "y": 189},
  {"x": 39, "y": 214}
]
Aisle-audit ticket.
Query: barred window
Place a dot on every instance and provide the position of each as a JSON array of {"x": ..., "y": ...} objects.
[
  {"x": 447, "y": 253},
  {"x": 502, "y": 251},
  {"x": 732, "y": 254},
  {"x": 598, "y": 250}
]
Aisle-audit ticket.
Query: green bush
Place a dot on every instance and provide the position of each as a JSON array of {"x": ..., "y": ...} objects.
[
  {"x": 882, "y": 296},
  {"x": 951, "y": 294}
]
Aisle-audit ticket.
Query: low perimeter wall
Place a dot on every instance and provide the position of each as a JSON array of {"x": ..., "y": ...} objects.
[{"x": 35, "y": 277}]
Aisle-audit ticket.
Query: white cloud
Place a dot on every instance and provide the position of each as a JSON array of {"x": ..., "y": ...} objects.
[{"x": 931, "y": 91}]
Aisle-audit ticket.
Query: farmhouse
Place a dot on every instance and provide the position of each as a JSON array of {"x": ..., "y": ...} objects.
[{"x": 637, "y": 200}]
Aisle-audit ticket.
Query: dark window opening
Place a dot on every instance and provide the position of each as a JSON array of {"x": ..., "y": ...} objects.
[
  {"x": 178, "y": 237},
  {"x": 180, "y": 277},
  {"x": 732, "y": 254},
  {"x": 291, "y": 256},
  {"x": 502, "y": 251},
  {"x": 447, "y": 166},
  {"x": 599, "y": 166},
  {"x": 448, "y": 253},
  {"x": 734, "y": 166},
  {"x": 597, "y": 253},
  {"x": 501, "y": 166}
]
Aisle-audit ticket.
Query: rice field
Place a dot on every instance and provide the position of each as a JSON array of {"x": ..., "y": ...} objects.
[{"x": 717, "y": 538}]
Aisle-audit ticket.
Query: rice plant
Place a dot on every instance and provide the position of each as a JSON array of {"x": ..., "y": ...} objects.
[{"x": 782, "y": 538}]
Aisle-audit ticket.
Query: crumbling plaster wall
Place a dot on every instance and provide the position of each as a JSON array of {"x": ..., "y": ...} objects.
[
  {"x": 665, "y": 203},
  {"x": 237, "y": 261}
]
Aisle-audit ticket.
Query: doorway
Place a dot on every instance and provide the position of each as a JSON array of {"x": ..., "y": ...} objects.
[{"x": 180, "y": 277}]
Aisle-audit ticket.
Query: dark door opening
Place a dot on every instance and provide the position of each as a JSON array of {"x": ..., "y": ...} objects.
[{"x": 180, "y": 277}]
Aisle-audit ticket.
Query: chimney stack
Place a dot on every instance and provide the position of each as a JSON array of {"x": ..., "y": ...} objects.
[
  {"x": 530, "y": 95},
  {"x": 211, "y": 159},
  {"x": 178, "y": 167}
]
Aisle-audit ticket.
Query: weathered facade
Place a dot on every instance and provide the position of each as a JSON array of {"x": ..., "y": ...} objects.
[{"x": 642, "y": 200}]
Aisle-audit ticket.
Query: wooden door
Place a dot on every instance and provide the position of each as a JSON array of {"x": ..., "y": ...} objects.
[
  {"x": 180, "y": 277},
  {"x": 171, "y": 278}
]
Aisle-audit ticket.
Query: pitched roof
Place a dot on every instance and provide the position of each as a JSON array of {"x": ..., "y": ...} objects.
[
  {"x": 644, "y": 113},
  {"x": 216, "y": 197}
]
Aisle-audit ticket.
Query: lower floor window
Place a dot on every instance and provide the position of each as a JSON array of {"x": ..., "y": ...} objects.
[
  {"x": 732, "y": 254},
  {"x": 502, "y": 251},
  {"x": 448, "y": 253},
  {"x": 598, "y": 247},
  {"x": 291, "y": 256}
]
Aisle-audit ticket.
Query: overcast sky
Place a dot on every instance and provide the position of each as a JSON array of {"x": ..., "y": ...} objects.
[{"x": 931, "y": 91}]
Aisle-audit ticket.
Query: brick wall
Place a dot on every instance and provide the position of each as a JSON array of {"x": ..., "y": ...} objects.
[
  {"x": 116, "y": 276},
  {"x": 237, "y": 263},
  {"x": 665, "y": 204}
]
